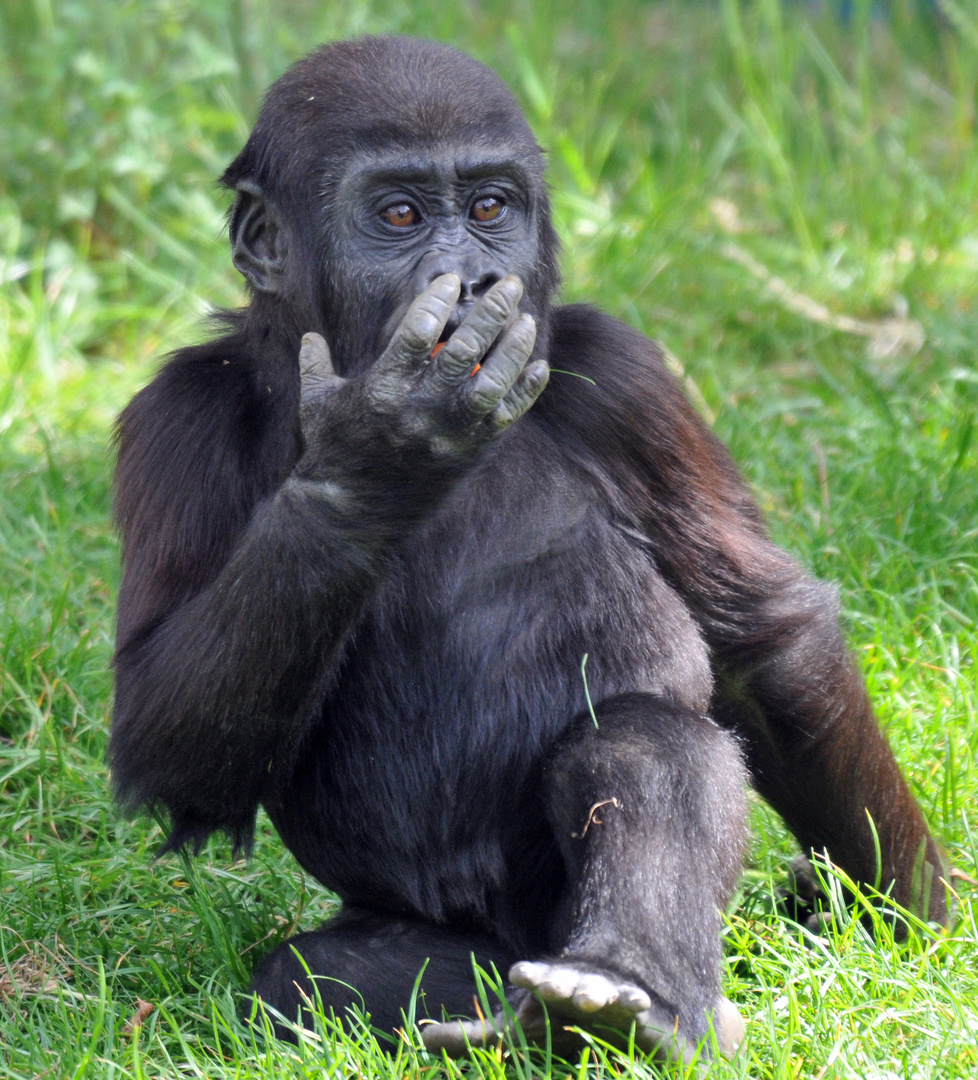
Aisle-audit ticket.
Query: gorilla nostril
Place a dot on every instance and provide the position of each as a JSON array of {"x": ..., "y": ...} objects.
[{"x": 477, "y": 286}]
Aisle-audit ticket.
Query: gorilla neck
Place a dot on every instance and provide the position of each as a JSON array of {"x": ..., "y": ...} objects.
[{"x": 275, "y": 324}]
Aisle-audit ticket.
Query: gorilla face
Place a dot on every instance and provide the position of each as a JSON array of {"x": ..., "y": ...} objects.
[
  {"x": 376, "y": 166},
  {"x": 405, "y": 219}
]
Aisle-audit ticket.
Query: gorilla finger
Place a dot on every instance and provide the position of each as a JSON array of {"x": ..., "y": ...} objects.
[
  {"x": 455, "y": 1037},
  {"x": 528, "y": 973},
  {"x": 634, "y": 999},
  {"x": 594, "y": 992},
  {"x": 558, "y": 984},
  {"x": 729, "y": 1027},
  {"x": 527, "y": 389},
  {"x": 316, "y": 366},
  {"x": 314, "y": 357},
  {"x": 418, "y": 333},
  {"x": 489, "y": 319},
  {"x": 506, "y": 363}
]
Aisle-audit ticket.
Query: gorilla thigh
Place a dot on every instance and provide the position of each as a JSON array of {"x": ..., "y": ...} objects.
[{"x": 646, "y": 803}]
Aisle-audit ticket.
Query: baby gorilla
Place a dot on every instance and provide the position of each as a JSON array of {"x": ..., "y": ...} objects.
[{"x": 366, "y": 553}]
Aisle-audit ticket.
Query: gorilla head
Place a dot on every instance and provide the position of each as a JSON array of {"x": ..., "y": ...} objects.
[{"x": 384, "y": 163}]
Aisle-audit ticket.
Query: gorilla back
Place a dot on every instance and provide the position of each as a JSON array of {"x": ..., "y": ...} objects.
[{"x": 367, "y": 547}]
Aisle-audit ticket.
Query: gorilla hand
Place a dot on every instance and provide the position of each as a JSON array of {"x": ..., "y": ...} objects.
[{"x": 418, "y": 410}]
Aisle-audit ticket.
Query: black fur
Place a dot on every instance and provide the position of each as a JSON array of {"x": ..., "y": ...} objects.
[{"x": 383, "y": 646}]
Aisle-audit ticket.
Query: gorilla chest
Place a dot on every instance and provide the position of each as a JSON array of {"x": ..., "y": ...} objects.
[
  {"x": 464, "y": 669},
  {"x": 489, "y": 612}
]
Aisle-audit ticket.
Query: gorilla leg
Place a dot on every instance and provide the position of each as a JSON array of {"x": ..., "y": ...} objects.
[
  {"x": 650, "y": 815},
  {"x": 373, "y": 961},
  {"x": 649, "y": 811}
]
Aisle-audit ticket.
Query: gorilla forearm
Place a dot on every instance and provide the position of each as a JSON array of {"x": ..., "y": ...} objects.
[
  {"x": 817, "y": 754},
  {"x": 789, "y": 686},
  {"x": 212, "y": 698}
]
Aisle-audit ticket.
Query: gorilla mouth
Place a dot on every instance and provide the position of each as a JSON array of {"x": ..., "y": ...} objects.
[
  {"x": 450, "y": 329},
  {"x": 454, "y": 322}
]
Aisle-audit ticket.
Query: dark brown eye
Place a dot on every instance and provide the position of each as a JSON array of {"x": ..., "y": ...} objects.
[
  {"x": 487, "y": 209},
  {"x": 400, "y": 215}
]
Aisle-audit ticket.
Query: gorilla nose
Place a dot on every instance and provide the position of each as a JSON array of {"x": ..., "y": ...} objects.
[
  {"x": 477, "y": 276},
  {"x": 475, "y": 286}
]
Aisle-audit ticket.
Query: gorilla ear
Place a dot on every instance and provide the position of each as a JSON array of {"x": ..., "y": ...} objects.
[{"x": 259, "y": 245}]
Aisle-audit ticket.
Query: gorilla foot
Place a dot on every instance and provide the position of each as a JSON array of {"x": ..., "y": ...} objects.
[{"x": 575, "y": 997}]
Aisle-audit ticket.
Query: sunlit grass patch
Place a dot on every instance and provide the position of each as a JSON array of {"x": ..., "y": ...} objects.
[{"x": 789, "y": 204}]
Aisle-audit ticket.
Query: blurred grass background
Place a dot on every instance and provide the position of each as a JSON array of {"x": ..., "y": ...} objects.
[{"x": 783, "y": 195}]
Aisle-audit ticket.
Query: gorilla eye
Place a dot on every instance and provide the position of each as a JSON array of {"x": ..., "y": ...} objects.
[
  {"x": 487, "y": 209},
  {"x": 400, "y": 215}
]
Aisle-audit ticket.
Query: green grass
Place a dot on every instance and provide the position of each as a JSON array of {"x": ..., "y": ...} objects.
[{"x": 791, "y": 206}]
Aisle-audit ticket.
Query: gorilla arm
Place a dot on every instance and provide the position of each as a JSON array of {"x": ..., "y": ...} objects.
[
  {"x": 216, "y": 680},
  {"x": 785, "y": 680}
]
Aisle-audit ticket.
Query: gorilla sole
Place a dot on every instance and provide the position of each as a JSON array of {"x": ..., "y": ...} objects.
[{"x": 366, "y": 546}]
